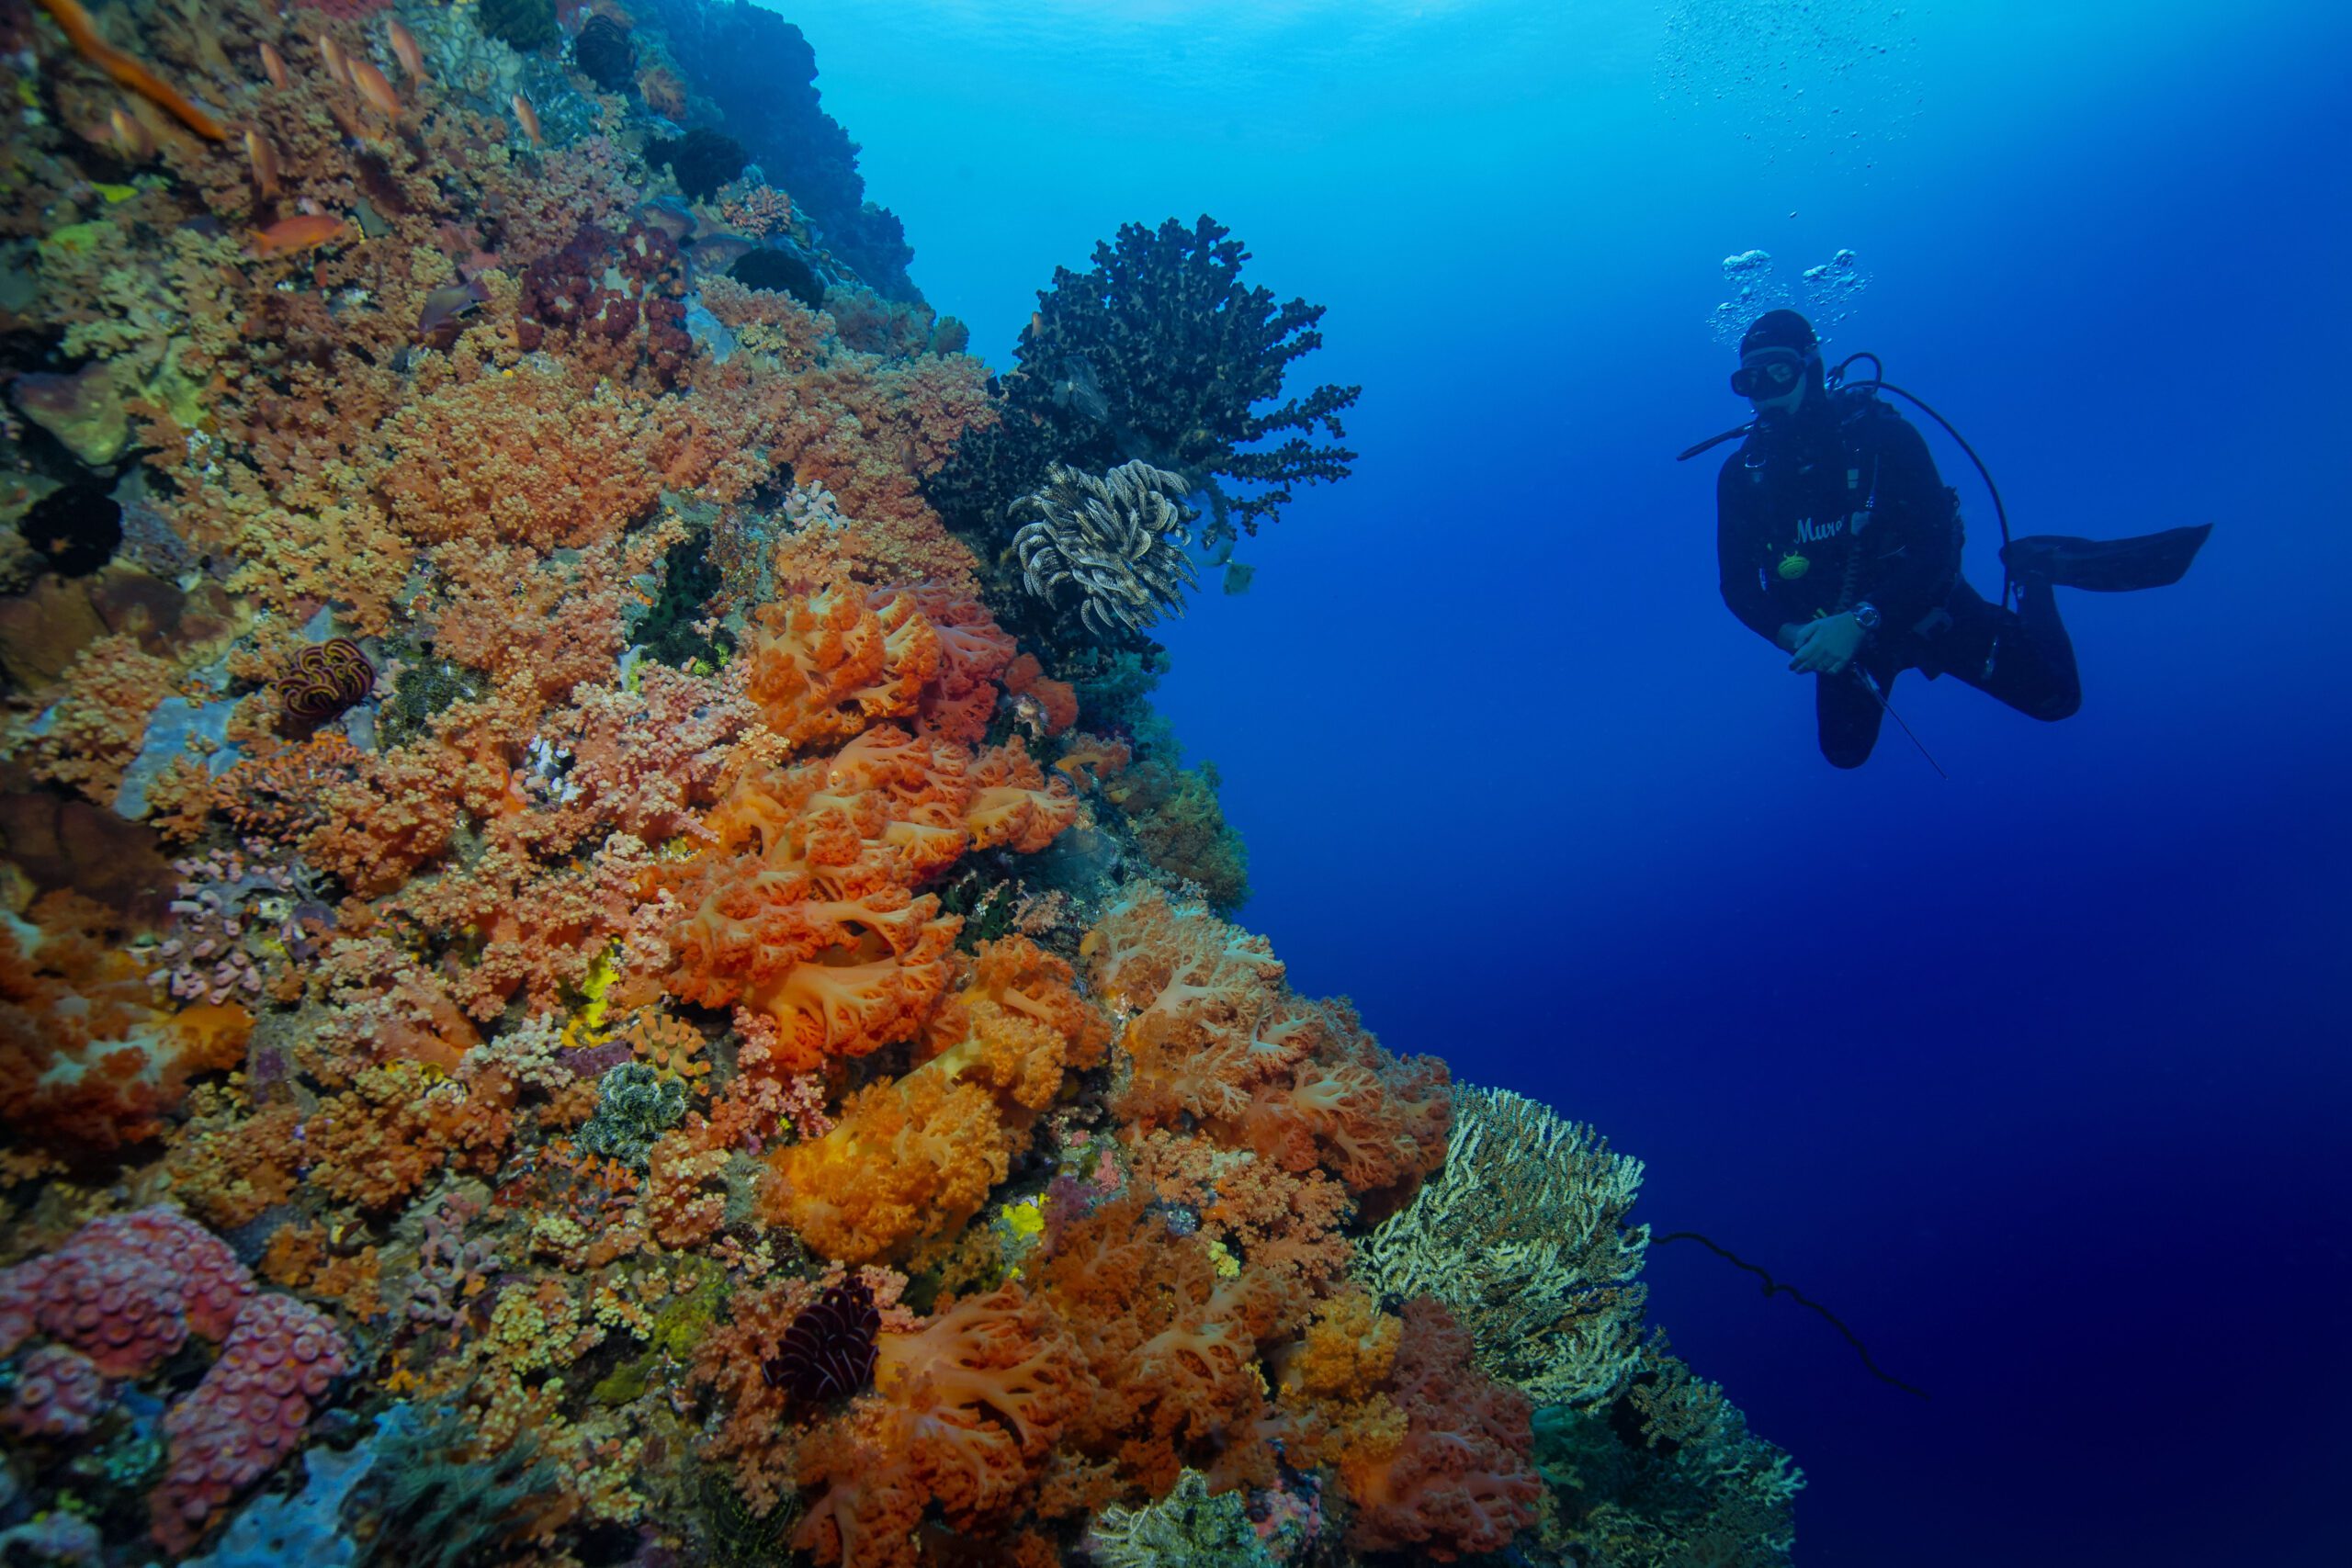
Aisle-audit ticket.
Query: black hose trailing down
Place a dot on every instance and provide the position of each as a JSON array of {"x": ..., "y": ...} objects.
[{"x": 1774, "y": 1287}]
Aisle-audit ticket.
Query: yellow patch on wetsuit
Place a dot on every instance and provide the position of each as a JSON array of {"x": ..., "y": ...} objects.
[{"x": 1793, "y": 566}]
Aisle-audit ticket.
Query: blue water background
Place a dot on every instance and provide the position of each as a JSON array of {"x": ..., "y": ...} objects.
[{"x": 2037, "y": 1075}]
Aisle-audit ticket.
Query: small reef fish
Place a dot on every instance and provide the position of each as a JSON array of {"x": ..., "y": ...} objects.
[
  {"x": 127, "y": 72},
  {"x": 264, "y": 158},
  {"x": 349, "y": 122},
  {"x": 272, "y": 65},
  {"x": 448, "y": 304},
  {"x": 338, "y": 67},
  {"x": 668, "y": 214},
  {"x": 132, "y": 138},
  {"x": 717, "y": 253},
  {"x": 375, "y": 88},
  {"x": 530, "y": 118},
  {"x": 304, "y": 232},
  {"x": 411, "y": 57}
]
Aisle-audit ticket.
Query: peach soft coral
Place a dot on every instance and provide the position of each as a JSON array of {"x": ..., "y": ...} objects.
[
  {"x": 1217, "y": 1039},
  {"x": 89, "y": 738}
]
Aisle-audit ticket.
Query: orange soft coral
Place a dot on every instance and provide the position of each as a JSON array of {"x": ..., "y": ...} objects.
[
  {"x": 1092, "y": 759},
  {"x": 842, "y": 660},
  {"x": 1170, "y": 1346},
  {"x": 908, "y": 1160},
  {"x": 800, "y": 909},
  {"x": 973, "y": 653},
  {"x": 838, "y": 661},
  {"x": 801, "y": 905},
  {"x": 914, "y": 1159},
  {"x": 1012, "y": 805},
  {"x": 86, "y": 1063},
  {"x": 1016, "y": 1024},
  {"x": 1352, "y": 1108},
  {"x": 964, "y": 1411},
  {"x": 1274, "y": 1220}
]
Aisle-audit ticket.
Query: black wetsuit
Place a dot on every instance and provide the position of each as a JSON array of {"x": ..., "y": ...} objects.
[{"x": 1788, "y": 551}]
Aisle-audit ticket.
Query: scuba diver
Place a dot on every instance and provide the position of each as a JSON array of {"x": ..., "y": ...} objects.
[{"x": 1837, "y": 540}]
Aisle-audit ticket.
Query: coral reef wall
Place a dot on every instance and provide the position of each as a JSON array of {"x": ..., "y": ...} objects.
[{"x": 585, "y": 978}]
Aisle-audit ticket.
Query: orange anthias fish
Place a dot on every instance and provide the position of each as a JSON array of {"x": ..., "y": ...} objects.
[
  {"x": 128, "y": 71},
  {"x": 411, "y": 58},
  {"x": 530, "y": 118},
  {"x": 264, "y": 158},
  {"x": 304, "y": 232},
  {"x": 272, "y": 65},
  {"x": 338, "y": 67},
  {"x": 374, "y": 88},
  {"x": 350, "y": 123},
  {"x": 135, "y": 142}
]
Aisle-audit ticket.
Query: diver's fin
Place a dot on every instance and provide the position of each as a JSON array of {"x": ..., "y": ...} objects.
[{"x": 2104, "y": 565}]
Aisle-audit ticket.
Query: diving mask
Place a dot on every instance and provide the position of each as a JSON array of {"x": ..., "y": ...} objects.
[{"x": 1768, "y": 374}]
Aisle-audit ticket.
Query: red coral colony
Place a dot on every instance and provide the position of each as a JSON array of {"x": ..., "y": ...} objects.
[{"x": 588, "y": 976}]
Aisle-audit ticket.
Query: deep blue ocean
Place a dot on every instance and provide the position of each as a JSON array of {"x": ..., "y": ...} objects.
[{"x": 2035, "y": 1075}]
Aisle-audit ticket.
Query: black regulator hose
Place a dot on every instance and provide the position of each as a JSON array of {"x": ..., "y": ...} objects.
[{"x": 1878, "y": 383}]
